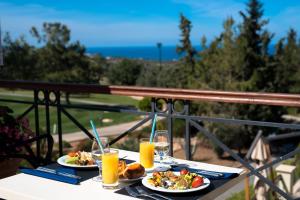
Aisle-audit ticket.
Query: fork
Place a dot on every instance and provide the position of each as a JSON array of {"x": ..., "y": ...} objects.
[
  {"x": 135, "y": 194},
  {"x": 141, "y": 191},
  {"x": 210, "y": 173}
]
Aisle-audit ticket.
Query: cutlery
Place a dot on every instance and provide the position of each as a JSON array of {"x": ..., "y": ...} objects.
[
  {"x": 210, "y": 173},
  {"x": 53, "y": 171},
  {"x": 199, "y": 171},
  {"x": 141, "y": 191},
  {"x": 135, "y": 194}
]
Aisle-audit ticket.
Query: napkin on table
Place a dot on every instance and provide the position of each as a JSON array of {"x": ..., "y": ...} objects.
[{"x": 53, "y": 176}]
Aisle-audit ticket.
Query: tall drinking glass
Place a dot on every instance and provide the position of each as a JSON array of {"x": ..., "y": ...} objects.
[
  {"x": 162, "y": 144},
  {"x": 97, "y": 154},
  {"x": 146, "y": 153},
  {"x": 110, "y": 165}
]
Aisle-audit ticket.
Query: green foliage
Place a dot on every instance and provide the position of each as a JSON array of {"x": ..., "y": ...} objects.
[
  {"x": 125, "y": 72},
  {"x": 167, "y": 75},
  {"x": 238, "y": 60},
  {"x": 19, "y": 60},
  {"x": 145, "y": 104},
  {"x": 130, "y": 144},
  {"x": 185, "y": 46},
  {"x": 56, "y": 60}
]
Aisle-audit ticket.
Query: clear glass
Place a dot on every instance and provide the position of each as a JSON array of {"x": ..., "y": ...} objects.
[
  {"x": 97, "y": 155},
  {"x": 162, "y": 144},
  {"x": 146, "y": 153},
  {"x": 110, "y": 166}
]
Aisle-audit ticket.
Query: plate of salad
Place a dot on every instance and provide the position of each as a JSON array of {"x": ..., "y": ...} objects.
[
  {"x": 175, "y": 182},
  {"x": 79, "y": 159}
]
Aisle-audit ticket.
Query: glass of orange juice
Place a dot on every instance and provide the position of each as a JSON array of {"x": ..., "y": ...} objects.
[
  {"x": 146, "y": 153},
  {"x": 110, "y": 177}
]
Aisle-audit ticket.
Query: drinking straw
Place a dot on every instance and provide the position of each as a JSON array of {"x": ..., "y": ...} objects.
[
  {"x": 97, "y": 136},
  {"x": 153, "y": 127}
]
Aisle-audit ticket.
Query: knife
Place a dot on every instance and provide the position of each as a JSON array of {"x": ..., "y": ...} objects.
[{"x": 53, "y": 171}]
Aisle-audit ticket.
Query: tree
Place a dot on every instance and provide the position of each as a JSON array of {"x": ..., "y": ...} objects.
[
  {"x": 96, "y": 67},
  {"x": 251, "y": 31},
  {"x": 61, "y": 60},
  {"x": 20, "y": 60},
  {"x": 287, "y": 64},
  {"x": 125, "y": 72},
  {"x": 185, "y": 47}
]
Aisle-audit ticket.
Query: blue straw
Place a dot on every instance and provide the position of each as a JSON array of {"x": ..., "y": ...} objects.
[
  {"x": 97, "y": 136},
  {"x": 153, "y": 127}
]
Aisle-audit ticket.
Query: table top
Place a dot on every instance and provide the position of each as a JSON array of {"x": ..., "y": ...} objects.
[{"x": 28, "y": 187}]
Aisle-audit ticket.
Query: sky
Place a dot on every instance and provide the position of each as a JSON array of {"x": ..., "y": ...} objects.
[{"x": 139, "y": 22}]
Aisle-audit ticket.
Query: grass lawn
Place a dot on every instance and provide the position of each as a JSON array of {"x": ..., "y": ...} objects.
[
  {"x": 82, "y": 116},
  {"x": 103, "y": 98},
  {"x": 112, "y": 99}
]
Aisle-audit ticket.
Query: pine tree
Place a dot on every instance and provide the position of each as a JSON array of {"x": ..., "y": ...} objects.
[
  {"x": 287, "y": 64},
  {"x": 185, "y": 46},
  {"x": 251, "y": 31}
]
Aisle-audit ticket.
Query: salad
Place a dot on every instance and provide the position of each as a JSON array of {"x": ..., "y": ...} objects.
[
  {"x": 169, "y": 180},
  {"x": 80, "y": 158}
]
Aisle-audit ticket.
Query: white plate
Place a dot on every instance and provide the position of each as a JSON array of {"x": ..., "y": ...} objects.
[
  {"x": 126, "y": 180},
  {"x": 206, "y": 183},
  {"x": 62, "y": 161}
]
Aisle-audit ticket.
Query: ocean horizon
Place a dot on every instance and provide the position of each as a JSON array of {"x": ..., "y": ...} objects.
[
  {"x": 150, "y": 53},
  {"x": 168, "y": 53}
]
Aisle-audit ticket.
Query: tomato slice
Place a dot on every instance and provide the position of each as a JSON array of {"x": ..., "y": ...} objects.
[
  {"x": 184, "y": 172},
  {"x": 197, "y": 181}
]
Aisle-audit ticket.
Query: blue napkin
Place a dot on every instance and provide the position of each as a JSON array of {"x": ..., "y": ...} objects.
[
  {"x": 206, "y": 173},
  {"x": 53, "y": 176}
]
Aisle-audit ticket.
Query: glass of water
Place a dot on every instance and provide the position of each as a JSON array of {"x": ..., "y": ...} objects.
[
  {"x": 161, "y": 144},
  {"x": 97, "y": 154}
]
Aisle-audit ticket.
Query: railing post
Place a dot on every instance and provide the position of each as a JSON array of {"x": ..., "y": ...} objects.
[
  {"x": 153, "y": 105},
  {"x": 37, "y": 124},
  {"x": 59, "y": 124},
  {"x": 170, "y": 125},
  {"x": 187, "y": 131},
  {"x": 47, "y": 99}
]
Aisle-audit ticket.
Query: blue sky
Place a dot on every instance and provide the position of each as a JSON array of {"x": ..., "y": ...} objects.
[{"x": 139, "y": 22}]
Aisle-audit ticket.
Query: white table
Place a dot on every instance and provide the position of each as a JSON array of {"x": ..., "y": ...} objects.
[{"x": 28, "y": 187}]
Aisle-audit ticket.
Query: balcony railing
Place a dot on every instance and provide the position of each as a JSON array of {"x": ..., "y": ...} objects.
[{"x": 49, "y": 95}]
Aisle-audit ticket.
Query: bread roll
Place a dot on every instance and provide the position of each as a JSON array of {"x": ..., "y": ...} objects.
[{"x": 133, "y": 171}]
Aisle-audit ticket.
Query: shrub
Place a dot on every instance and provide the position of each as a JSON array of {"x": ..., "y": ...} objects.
[{"x": 13, "y": 132}]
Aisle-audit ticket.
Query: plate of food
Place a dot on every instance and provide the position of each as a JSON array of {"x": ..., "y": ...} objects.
[
  {"x": 79, "y": 159},
  {"x": 175, "y": 182},
  {"x": 130, "y": 173}
]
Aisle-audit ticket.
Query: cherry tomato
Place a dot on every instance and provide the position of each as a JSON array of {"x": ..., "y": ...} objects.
[
  {"x": 184, "y": 172},
  {"x": 198, "y": 180}
]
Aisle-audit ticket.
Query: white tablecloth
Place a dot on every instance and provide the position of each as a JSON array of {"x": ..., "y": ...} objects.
[{"x": 28, "y": 187}]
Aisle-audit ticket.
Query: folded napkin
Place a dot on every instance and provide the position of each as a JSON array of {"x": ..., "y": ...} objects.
[
  {"x": 208, "y": 174},
  {"x": 58, "y": 175}
]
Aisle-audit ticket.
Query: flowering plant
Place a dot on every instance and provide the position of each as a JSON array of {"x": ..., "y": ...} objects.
[{"x": 13, "y": 132}]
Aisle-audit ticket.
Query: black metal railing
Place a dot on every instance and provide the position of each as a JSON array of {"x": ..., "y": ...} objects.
[{"x": 43, "y": 91}]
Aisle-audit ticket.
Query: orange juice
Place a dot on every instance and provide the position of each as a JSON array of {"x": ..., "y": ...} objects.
[
  {"x": 110, "y": 163},
  {"x": 146, "y": 153}
]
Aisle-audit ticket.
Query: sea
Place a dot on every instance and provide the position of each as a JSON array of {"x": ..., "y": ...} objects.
[
  {"x": 151, "y": 53},
  {"x": 168, "y": 53}
]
